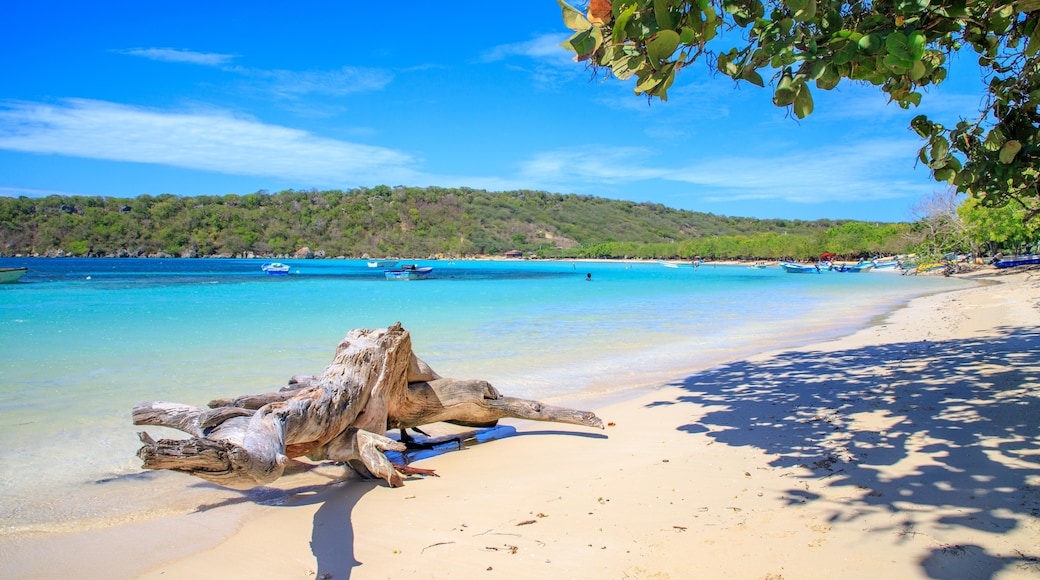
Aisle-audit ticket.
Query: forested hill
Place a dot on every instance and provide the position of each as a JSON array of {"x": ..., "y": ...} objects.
[{"x": 378, "y": 221}]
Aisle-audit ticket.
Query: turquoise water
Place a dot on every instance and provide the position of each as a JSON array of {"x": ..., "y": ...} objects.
[{"x": 83, "y": 340}]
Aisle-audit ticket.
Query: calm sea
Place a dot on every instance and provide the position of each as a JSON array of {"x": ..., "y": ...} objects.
[{"x": 83, "y": 340}]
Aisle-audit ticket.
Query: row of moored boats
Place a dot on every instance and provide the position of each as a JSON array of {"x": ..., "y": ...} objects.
[{"x": 392, "y": 269}]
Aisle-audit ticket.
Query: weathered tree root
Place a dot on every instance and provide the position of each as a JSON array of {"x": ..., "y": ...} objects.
[{"x": 375, "y": 383}]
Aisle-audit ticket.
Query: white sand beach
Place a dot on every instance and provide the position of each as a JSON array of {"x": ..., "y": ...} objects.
[{"x": 910, "y": 449}]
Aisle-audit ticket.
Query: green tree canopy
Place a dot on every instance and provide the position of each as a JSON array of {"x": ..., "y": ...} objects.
[{"x": 899, "y": 46}]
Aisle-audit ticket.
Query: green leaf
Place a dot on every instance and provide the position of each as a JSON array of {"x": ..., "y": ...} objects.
[
  {"x": 663, "y": 14},
  {"x": 584, "y": 43},
  {"x": 618, "y": 34},
  {"x": 940, "y": 149},
  {"x": 626, "y": 65},
  {"x": 898, "y": 45},
  {"x": 807, "y": 12},
  {"x": 918, "y": 71},
  {"x": 662, "y": 45},
  {"x": 1034, "y": 39},
  {"x": 922, "y": 126},
  {"x": 803, "y": 102},
  {"x": 916, "y": 45},
  {"x": 574, "y": 19},
  {"x": 785, "y": 91},
  {"x": 1009, "y": 150},
  {"x": 828, "y": 79},
  {"x": 751, "y": 75},
  {"x": 870, "y": 43},
  {"x": 686, "y": 35},
  {"x": 994, "y": 140}
]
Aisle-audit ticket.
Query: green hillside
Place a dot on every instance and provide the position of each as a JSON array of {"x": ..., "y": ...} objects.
[{"x": 411, "y": 222}]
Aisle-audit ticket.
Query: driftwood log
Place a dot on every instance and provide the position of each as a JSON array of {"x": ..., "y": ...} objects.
[{"x": 374, "y": 384}]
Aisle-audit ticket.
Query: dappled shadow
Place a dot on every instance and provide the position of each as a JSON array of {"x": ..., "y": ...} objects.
[
  {"x": 332, "y": 536},
  {"x": 952, "y": 425}
]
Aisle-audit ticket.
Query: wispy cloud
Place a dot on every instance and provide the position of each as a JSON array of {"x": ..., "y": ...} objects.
[
  {"x": 856, "y": 172},
  {"x": 185, "y": 56},
  {"x": 545, "y": 48},
  {"x": 542, "y": 58},
  {"x": 283, "y": 83},
  {"x": 30, "y": 192},
  {"x": 344, "y": 81},
  {"x": 204, "y": 140}
]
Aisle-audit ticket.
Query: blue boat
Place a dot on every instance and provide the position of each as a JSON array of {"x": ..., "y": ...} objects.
[
  {"x": 1017, "y": 261},
  {"x": 793, "y": 268},
  {"x": 864, "y": 266},
  {"x": 276, "y": 269},
  {"x": 408, "y": 272}
]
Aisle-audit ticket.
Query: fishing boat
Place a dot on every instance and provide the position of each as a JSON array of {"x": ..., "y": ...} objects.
[
  {"x": 1013, "y": 261},
  {"x": 793, "y": 268},
  {"x": 863, "y": 266},
  {"x": 382, "y": 263},
  {"x": 408, "y": 272},
  {"x": 276, "y": 269},
  {"x": 11, "y": 275},
  {"x": 885, "y": 263},
  {"x": 668, "y": 264}
]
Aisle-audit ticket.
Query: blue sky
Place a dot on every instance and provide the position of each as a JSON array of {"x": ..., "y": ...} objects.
[{"x": 211, "y": 98}]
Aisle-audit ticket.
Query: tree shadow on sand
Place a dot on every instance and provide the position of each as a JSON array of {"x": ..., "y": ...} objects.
[{"x": 939, "y": 435}]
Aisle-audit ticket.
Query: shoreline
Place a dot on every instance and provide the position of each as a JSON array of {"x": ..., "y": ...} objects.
[{"x": 733, "y": 469}]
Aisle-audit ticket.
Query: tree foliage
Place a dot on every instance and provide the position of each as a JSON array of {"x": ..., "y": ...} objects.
[
  {"x": 416, "y": 223},
  {"x": 899, "y": 46}
]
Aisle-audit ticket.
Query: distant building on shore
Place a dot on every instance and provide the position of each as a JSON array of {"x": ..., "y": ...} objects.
[{"x": 514, "y": 254}]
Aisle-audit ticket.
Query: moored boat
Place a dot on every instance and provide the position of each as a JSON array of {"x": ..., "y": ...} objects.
[
  {"x": 1013, "y": 261},
  {"x": 276, "y": 269},
  {"x": 408, "y": 272},
  {"x": 382, "y": 263},
  {"x": 864, "y": 266},
  {"x": 11, "y": 275},
  {"x": 794, "y": 268}
]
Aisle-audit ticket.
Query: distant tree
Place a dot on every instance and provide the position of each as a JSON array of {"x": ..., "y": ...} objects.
[
  {"x": 899, "y": 46},
  {"x": 939, "y": 228},
  {"x": 998, "y": 228}
]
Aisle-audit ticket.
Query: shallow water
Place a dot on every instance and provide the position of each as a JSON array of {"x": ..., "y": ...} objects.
[{"x": 83, "y": 340}]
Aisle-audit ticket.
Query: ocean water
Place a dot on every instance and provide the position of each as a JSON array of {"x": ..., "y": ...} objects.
[{"x": 83, "y": 340}]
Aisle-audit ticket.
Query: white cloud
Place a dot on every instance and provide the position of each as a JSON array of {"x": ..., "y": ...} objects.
[
  {"x": 30, "y": 192},
  {"x": 868, "y": 170},
  {"x": 283, "y": 83},
  {"x": 343, "y": 81},
  {"x": 208, "y": 140},
  {"x": 186, "y": 56},
  {"x": 545, "y": 48}
]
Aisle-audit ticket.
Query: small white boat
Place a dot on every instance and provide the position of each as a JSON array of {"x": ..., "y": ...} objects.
[
  {"x": 276, "y": 269},
  {"x": 793, "y": 268},
  {"x": 408, "y": 272},
  {"x": 383, "y": 263},
  {"x": 11, "y": 275}
]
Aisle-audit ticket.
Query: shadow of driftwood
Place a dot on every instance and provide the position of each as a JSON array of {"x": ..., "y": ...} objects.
[
  {"x": 332, "y": 536},
  {"x": 952, "y": 425}
]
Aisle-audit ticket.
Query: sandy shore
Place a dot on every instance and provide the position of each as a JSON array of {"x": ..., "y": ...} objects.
[{"x": 910, "y": 449}]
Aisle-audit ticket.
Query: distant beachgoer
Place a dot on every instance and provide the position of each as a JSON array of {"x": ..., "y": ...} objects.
[{"x": 588, "y": 277}]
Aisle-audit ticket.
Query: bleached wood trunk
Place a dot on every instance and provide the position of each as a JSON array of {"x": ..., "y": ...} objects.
[{"x": 374, "y": 383}]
